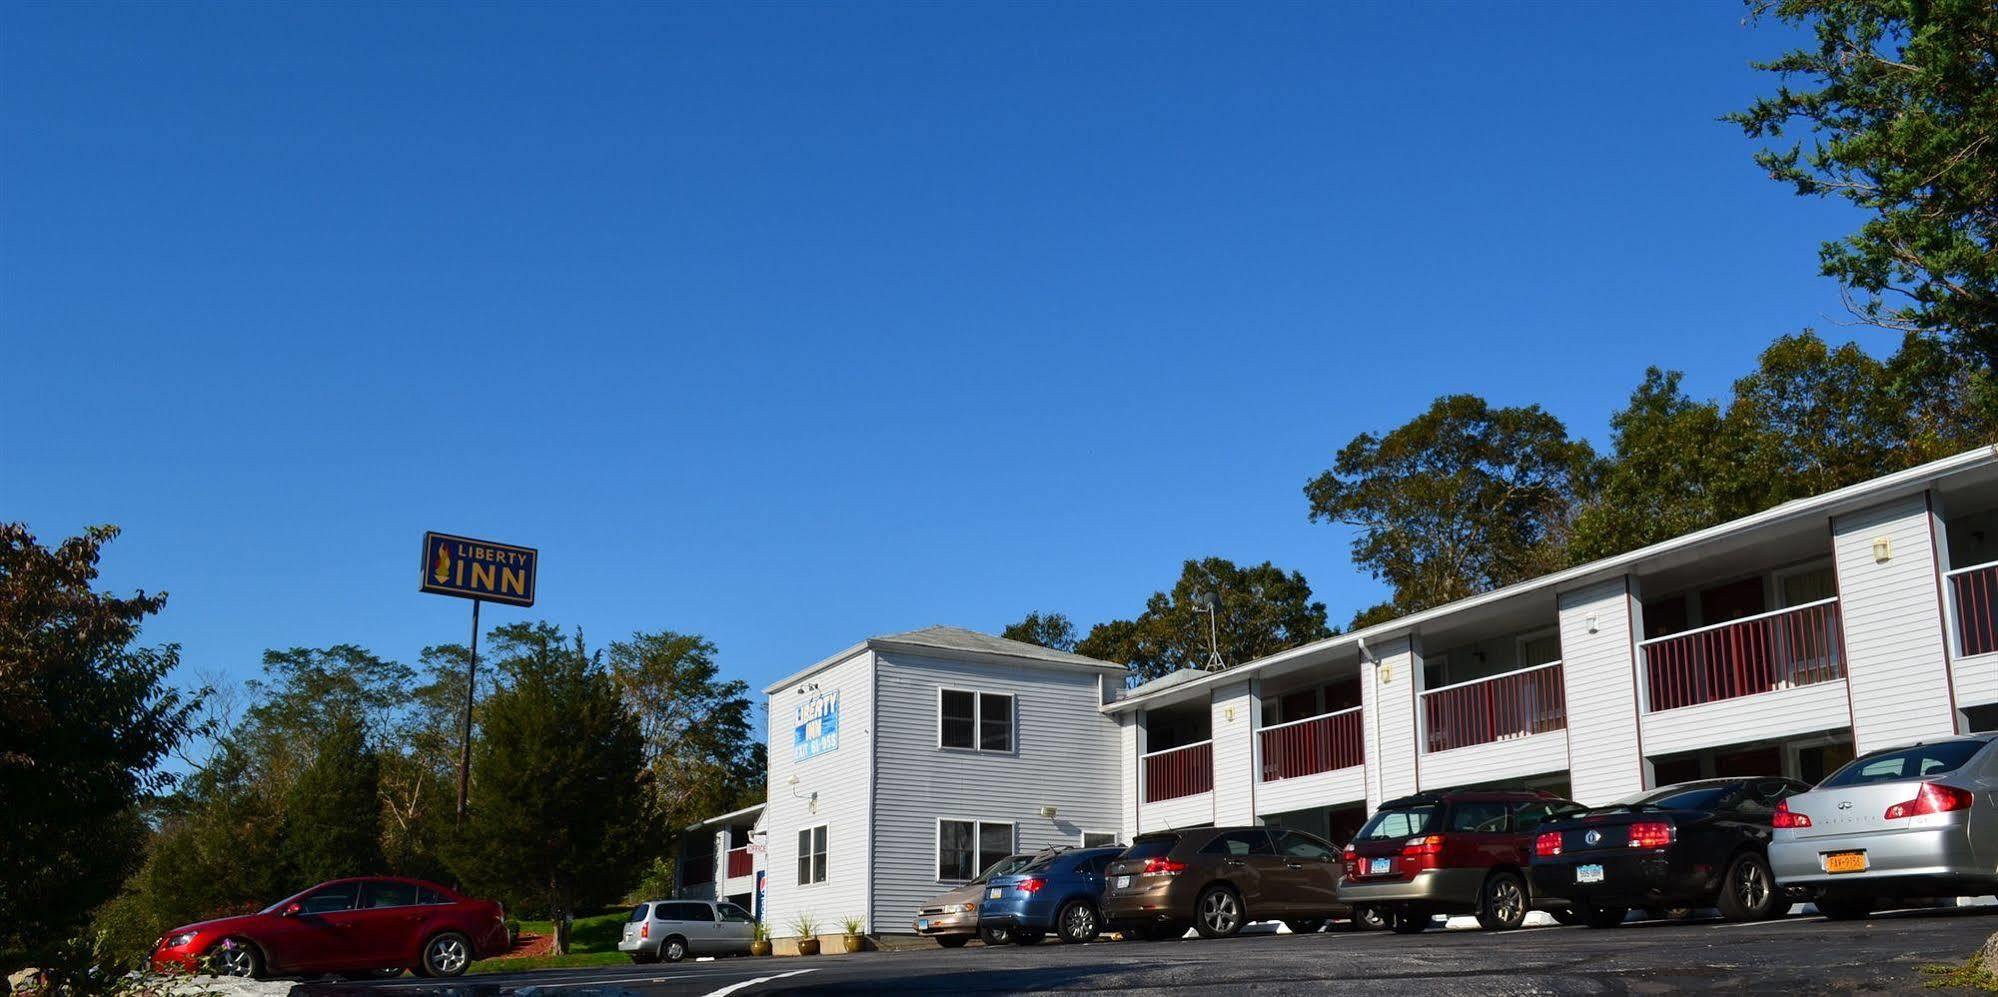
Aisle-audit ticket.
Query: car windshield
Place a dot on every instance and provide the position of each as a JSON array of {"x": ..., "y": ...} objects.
[
  {"x": 1918, "y": 762},
  {"x": 1040, "y": 862},
  {"x": 1398, "y": 824},
  {"x": 1679, "y": 797},
  {"x": 1150, "y": 846},
  {"x": 1005, "y": 867}
]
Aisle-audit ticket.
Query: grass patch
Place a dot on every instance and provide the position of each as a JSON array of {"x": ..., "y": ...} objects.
[
  {"x": 592, "y": 942},
  {"x": 1970, "y": 976},
  {"x": 571, "y": 961}
]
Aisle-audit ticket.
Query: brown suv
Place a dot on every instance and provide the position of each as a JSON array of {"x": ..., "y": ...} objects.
[
  {"x": 1450, "y": 853},
  {"x": 1218, "y": 879}
]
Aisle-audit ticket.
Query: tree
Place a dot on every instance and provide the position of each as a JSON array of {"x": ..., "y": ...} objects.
[
  {"x": 1677, "y": 465},
  {"x": 1901, "y": 100},
  {"x": 1049, "y": 630},
  {"x": 701, "y": 745},
  {"x": 333, "y": 811},
  {"x": 1459, "y": 500},
  {"x": 85, "y": 718},
  {"x": 559, "y": 813},
  {"x": 1259, "y": 610}
]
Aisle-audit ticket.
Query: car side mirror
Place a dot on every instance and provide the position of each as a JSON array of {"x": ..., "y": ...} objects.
[{"x": 292, "y": 910}]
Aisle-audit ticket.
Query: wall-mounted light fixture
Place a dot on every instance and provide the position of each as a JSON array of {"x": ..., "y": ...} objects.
[
  {"x": 1048, "y": 811},
  {"x": 1883, "y": 550}
]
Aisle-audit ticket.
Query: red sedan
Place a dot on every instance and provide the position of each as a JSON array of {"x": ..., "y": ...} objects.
[{"x": 358, "y": 927}]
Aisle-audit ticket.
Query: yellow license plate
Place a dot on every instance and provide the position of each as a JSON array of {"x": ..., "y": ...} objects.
[{"x": 1845, "y": 862}]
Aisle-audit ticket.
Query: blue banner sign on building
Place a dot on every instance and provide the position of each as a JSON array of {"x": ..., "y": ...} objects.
[
  {"x": 817, "y": 730},
  {"x": 478, "y": 569}
]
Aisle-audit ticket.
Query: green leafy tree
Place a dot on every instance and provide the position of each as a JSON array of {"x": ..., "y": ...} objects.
[
  {"x": 1900, "y": 98},
  {"x": 86, "y": 717},
  {"x": 1459, "y": 500},
  {"x": 333, "y": 811},
  {"x": 559, "y": 817},
  {"x": 1049, "y": 630},
  {"x": 1259, "y": 610},
  {"x": 702, "y": 749}
]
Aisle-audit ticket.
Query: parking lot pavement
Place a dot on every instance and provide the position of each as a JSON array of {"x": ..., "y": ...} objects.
[{"x": 1797, "y": 954}]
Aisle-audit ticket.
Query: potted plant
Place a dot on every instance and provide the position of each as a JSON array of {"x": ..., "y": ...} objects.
[
  {"x": 855, "y": 938},
  {"x": 760, "y": 945},
  {"x": 807, "y": 928}
]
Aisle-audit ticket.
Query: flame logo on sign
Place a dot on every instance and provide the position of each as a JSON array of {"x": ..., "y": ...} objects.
[{"x": 443, "y": 570}]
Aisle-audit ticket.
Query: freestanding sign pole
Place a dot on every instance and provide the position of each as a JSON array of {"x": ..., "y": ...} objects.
[{"x": 471, "y": 690}]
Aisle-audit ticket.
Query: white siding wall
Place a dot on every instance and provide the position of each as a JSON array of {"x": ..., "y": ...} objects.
[
  {"x": 1130, "y": 743},
  {"x": 1599, "y": 625},
  {"x": 842, "y": 779},
  {"x": 1787, "y": 713},
  {"x": 1184, "y": 811},
  {"x": 1895, "y": 662},
  {"x": 1234, "y": 718},
  {"x": 1322, "y": 789},
  {"x": 1387, "y": 691},
  {"x": 1066, "y": 755},
  {"x": 1508, "y": 759}
]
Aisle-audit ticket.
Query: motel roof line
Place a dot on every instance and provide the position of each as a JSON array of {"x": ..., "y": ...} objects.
[
  {"x": 956, "y": 643},
  {"x": 1836, "y": 502}
]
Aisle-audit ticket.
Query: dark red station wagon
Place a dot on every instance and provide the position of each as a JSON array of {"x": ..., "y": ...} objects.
[
  {"x": 359, "y": 927},
  {"x": 1450, "y": 853}
]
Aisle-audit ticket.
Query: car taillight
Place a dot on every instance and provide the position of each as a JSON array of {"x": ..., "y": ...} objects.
[
  {"x": 1547, "y": 845},
  {"x": 1164, "y": 865},
  {"x": 645, "y": 930},
  {"x": 1031, "y": 884},
  {"x": 1352, "y": 860},
  {"x": 1650, "y": 834},
  {"x": 1785, "y": 817},
  {"x": 1422, "y": 852},
  {"x": 1934, "y": 798}
]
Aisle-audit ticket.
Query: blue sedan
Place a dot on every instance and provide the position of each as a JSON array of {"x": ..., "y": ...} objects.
[{"x": 1060, "y": 892}]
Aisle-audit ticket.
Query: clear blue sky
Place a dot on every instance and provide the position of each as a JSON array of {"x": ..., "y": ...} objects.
[{"x": 789, "y": 325}]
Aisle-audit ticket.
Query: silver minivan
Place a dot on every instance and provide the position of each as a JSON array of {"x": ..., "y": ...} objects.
[
  {"x": 675, "y": 929},
  {"x": 1903, "y": 823}
]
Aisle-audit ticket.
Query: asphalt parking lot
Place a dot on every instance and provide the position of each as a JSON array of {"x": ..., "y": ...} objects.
[{"x": 1799, "y": 954}]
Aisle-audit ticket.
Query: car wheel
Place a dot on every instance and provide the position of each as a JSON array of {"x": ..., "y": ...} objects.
[
  {"x": 1307, "y": 926},
  {"x": 1218, "y": 913},
  {"x": 1369, "y": 919},
  {"x": 1565, "y": 915},
  {"x": 995, "y": 935},
  {"x": 1748, "y": 892},
  {"x": 673, "y": 949},
  {"x": 1409, "y": 922},
  {"x": 237, "y": 957},
  {"x": 1603, "y": 917},
  {"x": 448, "y": 954},
  {"x": 1845, "y": 908},
  {"x": 1028, "y": 937},
  {"x": 1078, "y": 922},
  {"x": 1502, "y": 904},
  {"x": 952, "y": 941}
]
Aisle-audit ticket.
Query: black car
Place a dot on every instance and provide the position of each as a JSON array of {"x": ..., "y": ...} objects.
[{"x": 1696, "y": 844}]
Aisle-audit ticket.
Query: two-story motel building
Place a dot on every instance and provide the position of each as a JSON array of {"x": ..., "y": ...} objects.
[{"x": 1779, "y": 643}]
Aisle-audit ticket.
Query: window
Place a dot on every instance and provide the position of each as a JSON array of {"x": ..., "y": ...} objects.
[
  {"x": 1298, "y": 845},
  {"x": 378, "y": 893},
  {"x": 1148, "y": 846},
  {"x": 1398, "y": 824},
  {"x": 1918, "y": 762},
  {"x": 730, "y": 912},
  {"x": 698, "y": 913},
  {"x": 1803, "y": 585},
  {"x": 425, "y": 895},
  {"x": 1098, "y": 839},
  {"x": 812, "y": 855},
  {"x": 974, "y": 721},
  {"x": 1539, "y": 649},
  {"x": 1527, "y": 816},
  {"x": 637, "y": 913},
  {"x": 966, "y": 846},
  {"x": 1239, "y": 843},
  {"x": 1486, "y": 818},
  {"x": 333, "y": 898}
]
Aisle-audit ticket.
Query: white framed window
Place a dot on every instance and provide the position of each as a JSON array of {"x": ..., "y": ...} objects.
[
  {"x": 1098, "y": 839},
  {"x": 968, "y": 720},
  {"x": 1541, "y": 647},
  {"x": 811, "y": 855},
  {"x": 1806, "y": 583},
  {"x": 966, "y": 848}
]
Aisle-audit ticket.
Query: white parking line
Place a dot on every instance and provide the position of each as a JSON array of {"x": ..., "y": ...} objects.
[{"x": 733, "y": 987}]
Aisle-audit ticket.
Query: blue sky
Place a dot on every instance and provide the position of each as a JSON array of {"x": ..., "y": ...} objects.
[{"x": 788, "y": 325}]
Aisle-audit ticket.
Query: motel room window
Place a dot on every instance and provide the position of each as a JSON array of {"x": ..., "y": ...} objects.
[
  {"x": 1098, "y": 839},
  {"x": 812, "y": 855},
  {"x": 974, "y": 721},
  {"x": 966, "y": 846}
]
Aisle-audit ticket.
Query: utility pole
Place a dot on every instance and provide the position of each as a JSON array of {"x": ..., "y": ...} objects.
[{"x": 471, "y": 694}]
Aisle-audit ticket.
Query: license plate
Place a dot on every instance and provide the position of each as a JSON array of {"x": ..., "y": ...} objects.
[
  {"x": 922, "y": 924},
  {"x": 1845, "y": 861},
  {"x": 1377, "y": 866},
  {"x": 1588, "y": 874},
  {"x": 1123, "y": 882},
  {"x": 994, "y": 893}
]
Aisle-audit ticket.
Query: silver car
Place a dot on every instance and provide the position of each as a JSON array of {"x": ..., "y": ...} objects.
[
  {"x": 675, "y": 929},
  {"x": 1907, "y": 822}
]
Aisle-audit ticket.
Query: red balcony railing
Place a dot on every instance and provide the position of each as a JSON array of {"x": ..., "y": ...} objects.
[
  {"x": 1177, "y": 772},
  {"x": 1515, "y": 704},
  {"x": 741, "y": 862},
  {"x": 1781, "y": 650},
  {"x": 1973, "y": 597},
  {"x": 1312, "y": 745}
]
